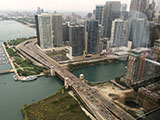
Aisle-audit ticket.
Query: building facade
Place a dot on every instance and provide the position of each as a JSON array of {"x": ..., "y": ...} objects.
[
  {"x": 76, "y": 40},
  {"x": 92, "y": 37},
  {"x": 111, "y": 11},
  {"x": 142, "y": 66},
  {"x": 99, "y": 13},
  {"x": 44, "y": 30},
  {"x": 135, "y": 68},
  {"x": 65, "y": 28},
  {"x": 49, "y": 30},
  {"x": 123, "y": 7},
  {"x": 119, "y": 33},
  {"x": 57, "y": 30},
  {"x": 139, "y": 5},
  {"x": 140, "y": 33}
]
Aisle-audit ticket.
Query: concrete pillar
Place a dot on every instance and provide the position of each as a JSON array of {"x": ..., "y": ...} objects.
[
  {"x": 66, "y": 83},
  {"x": 81, "y": 76},
  {"x": 52, "y": 71}
]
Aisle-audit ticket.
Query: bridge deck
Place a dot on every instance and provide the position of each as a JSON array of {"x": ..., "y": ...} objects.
[
  {"x": 5, "y": 71},
  {"x": 92, "y": 99}
]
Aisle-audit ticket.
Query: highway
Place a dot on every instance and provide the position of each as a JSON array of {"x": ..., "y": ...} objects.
[{"x": 101, "y": 108}]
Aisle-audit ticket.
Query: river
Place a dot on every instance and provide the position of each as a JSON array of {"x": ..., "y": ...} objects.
[
  {"x": 13, "y": 95},
  {"x": 100, "y": 73}
]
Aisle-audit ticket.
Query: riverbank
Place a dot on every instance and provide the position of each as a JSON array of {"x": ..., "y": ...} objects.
[
  {"x": 26, "y": 23},
  {"x": 11, "y": 63},
  {"x": 60, "y": 106},
  {"x": 72, "y": 67},
  {"x": 13, "y": 95},
  {"x": 22, "y": 66}
]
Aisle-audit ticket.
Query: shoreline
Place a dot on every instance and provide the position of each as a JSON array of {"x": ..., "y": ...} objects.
[
  {"x": 72, "y": 67},
  {"x": 14, "y": 69},
  {"x": 83, "y": 65},
  {"x": 26, "y": 23},
  {"x": 61, "y": 100},
  {"x": 11, "y": 62}
]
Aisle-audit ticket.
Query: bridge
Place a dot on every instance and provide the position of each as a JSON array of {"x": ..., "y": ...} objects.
[
  {"x": 99, "y": 107},
  {"x": 6, "y": 71},
  {"x": 11, "y": 70}
]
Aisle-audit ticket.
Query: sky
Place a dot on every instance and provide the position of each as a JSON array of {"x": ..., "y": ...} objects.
[{"x": 58, "y": 5}]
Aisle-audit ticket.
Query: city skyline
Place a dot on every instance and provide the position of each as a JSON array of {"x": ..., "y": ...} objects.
[{"x": 58, "y": 5}]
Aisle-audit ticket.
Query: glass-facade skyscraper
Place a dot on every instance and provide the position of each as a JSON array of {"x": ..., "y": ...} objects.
[
  {"x": 76, "y": 39},
  {"x": 111, "y": 11},
  {"x": 92, "y": 36},
  {"x": 99, "y": 13}
]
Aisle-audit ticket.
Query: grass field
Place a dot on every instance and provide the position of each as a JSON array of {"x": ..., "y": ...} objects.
[
  {"x": 28, "y": 67},
  {"x": 18, "y": 40},
  {"x": 60, "y": 106}
]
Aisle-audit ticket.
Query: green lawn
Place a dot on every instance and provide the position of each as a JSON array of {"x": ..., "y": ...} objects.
[
  {"x": 11, "y": 52},
  {"x": 18, "y": 41},
  {"x": 60, "y": 106},
  {"x": 28, "y": 67},
  {"x": 56, "y": 53}
]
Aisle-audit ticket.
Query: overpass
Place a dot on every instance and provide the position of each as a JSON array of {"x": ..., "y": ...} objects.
[{"x": 101, "y": 108}]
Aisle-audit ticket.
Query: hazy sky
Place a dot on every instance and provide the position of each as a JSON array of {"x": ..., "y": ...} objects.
[{"x": 65, "y": 5}]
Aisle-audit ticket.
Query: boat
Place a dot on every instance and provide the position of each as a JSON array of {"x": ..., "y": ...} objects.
[
  {"x": 29, "y": 78},
  {"x": 15, "y": 77}
]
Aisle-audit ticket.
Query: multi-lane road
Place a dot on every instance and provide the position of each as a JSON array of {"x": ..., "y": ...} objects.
[{"x": 101, "y": 108}]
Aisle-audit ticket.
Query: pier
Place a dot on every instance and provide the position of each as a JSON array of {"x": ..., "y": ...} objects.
[{"x": 6, "y": 71}]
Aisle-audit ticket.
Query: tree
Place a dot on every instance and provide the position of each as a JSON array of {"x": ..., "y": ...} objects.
[{"x": 45, "y": 72}]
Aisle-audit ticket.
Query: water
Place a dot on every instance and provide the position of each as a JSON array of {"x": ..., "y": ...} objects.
[
  {"x": 13, "y": 95},
  {"x": 102, "y": 72},
  {"x": 11, "y": 30}
]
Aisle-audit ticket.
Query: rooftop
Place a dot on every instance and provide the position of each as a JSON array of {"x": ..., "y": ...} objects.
[{"x": 140, "y": 50}]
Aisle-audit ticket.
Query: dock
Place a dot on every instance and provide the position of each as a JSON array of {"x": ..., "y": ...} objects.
[{"x": 11, "y": 63}]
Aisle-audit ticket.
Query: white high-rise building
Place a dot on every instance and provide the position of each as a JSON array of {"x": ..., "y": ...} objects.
[
  {"x": 57, "y": 30},
  {"x": 49, "y": 30},
  {"x": 44, "y": 30},
  {"x": 119, "y": 33}
]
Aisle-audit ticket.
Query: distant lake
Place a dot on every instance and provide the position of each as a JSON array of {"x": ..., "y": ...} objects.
[{"x": 11, "y": 30}]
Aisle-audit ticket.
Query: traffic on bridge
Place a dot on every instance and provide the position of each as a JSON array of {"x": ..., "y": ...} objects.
[{"x": 101, "y": 108}]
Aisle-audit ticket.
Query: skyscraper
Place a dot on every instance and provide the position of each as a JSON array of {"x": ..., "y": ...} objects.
[
  {"x": 49, "y": 30},
  {"x": 138, "y": 68},
  {"x": 139, "y": 5},
  {"x": 99, "y": 11},
  {"x": 123, "y": 7},
  {"x": 119, "y": 33},
  {"x": 65, "y": 27},
  {"x": 140, "y": 33},
  {"x": 39, "y": 10},
  {"x": 44, "y": 30},
  {"x": 57, "y": 30},
  {"x": 111, "y": 11},
  {"x": 76, "y": 40},
  {"x": 92, "y": 37}
]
